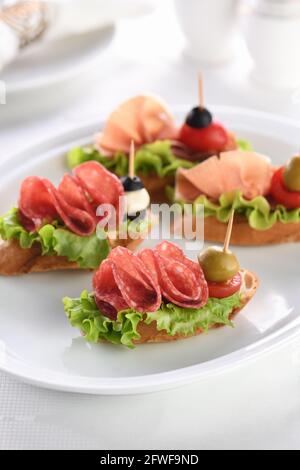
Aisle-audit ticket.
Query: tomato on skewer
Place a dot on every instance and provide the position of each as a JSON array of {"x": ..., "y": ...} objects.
[
  {"x": 223, "y": 290},
  {"x": 201, "y": 134},
  {"x": 281, "y": 194}
]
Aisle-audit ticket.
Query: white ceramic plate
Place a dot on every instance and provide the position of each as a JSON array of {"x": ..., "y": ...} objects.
[
  {"x": 38, "y": 345},
  {"x": 45, "y": 65}
]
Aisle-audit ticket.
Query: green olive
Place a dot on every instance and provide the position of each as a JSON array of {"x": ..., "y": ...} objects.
[
  {"x": 218, "y": 265},
  {"x": 292, "y": 174}
]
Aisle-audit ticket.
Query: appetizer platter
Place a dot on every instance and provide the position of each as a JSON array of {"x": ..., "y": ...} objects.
[{"x": 80, "y": 350}]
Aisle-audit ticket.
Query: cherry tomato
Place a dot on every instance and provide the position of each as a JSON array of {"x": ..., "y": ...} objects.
[
  {"x": 289, "y": 199},
  {"x": 219, "y": 290},
  {"x": 213, "y": 138}
]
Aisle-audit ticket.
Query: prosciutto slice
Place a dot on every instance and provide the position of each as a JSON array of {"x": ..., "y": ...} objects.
[
  {"x": 142, "y": 119},
  {"x": 249, "y": 172}
]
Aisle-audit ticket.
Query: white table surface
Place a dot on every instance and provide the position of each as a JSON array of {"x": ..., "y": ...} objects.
[{"x": 255, "y": 406}]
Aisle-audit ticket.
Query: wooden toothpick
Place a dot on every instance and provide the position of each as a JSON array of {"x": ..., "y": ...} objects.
[
  {"x": 201, "y": 91},
  {"x": 132, "y": 160},
  {"x": 229, "y": 232}
]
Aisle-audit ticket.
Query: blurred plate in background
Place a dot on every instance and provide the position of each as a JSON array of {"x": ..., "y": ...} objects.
[
  {"x": 49, "y": 76},
  {"x": 47, "y": 64}
]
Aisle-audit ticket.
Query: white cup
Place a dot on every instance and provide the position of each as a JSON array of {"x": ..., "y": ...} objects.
[
  {"x": 210, "y": 28},
  {"x": 273, "y": 39}
]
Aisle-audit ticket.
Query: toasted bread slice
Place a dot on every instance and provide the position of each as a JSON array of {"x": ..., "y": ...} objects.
[
  {"x": 244, "y": 235},
  {"x": 156, "y": 187},
  {"x": 15, "y": 261},
  {"x": 150, "y": 334}
]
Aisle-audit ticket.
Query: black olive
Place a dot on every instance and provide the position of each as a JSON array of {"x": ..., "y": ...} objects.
[
  {"x": 141, "y": 215},
  {"x": 132, "y": 184},
  {"x": 199, "y": 118}
]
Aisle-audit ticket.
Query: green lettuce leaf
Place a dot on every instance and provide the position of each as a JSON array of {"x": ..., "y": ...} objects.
[
  {"x": 245, "y": 145},
  {"x": 155, "y": 158},
  {"x": 84, "y": 315},
  {"x": 176, "y": 320},
  {"x": 258, "y": 211},
  {"x": 87, "y": 252},
  {"x": 158, "y": 158},
  {"x": 118, "y": 164}
]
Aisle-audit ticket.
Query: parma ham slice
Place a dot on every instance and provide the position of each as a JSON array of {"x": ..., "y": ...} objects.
[
  {"x": 143, "y": 119},
  {"x": 157, "y": 121},
  {"x": 248, "y": 172}
]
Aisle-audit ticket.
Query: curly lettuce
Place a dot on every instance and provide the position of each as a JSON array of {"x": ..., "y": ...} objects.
[
  {"x": 87, "y": 252},
  {"x": 155, "y": 158},
  {"x": 84, "y": 314},
  {"x": 259, "y": 213},
  {"x": 245, "y": 145}
]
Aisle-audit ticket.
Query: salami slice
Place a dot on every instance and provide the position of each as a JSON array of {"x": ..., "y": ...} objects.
[
  {"x": 126, "y": 280},
  {"x": 35, "y": 203},
  {"x": 123, "y": 282},
  {"x": 148, "y": 258},
  {"x": 77, "y": 220},
  {"x": 27, "y": 223},
  {"x": 181, "y": 280},
  {"x": 108, "y": 296},
  {"x": 102, "y": 186},
  {"x": 41, "y": 203},
  {"x": 135, "y": 282},
  {"x": 172, "y": 251},
  {"x": 74, "y": 202},
  {"x": 74, "y": 195}
]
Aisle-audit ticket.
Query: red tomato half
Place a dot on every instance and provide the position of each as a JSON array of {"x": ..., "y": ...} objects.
[
  {"x": 289, "y": 199},
  {"x": 213, "y": 138},
  {"x": 220, "y": 290}
]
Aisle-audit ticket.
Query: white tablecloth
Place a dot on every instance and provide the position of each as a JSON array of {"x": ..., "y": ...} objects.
[{"x": 256, "y": 406}]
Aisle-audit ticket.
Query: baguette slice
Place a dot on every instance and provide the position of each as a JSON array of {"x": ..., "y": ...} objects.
[
  {"x": 156, "y": 187},
  {"x": 215, "y": 231},
  {"x": 15, "y": 261},
  {"x": 150, "y": 334},
  {"x": 244, "y": 235}
]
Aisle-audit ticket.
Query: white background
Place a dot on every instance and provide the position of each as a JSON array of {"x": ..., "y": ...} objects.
[{"x": 256, "y": 406}]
